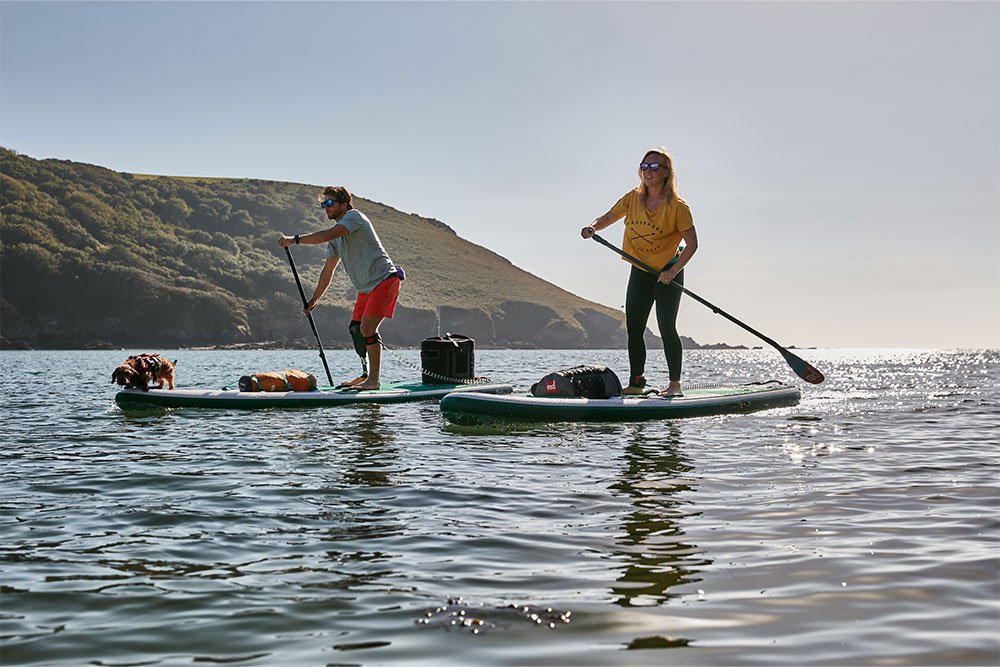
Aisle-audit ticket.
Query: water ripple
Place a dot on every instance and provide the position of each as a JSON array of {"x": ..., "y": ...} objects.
[{"x": 859, "y": 527}]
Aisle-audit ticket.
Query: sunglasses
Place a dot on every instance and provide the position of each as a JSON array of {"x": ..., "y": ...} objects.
[
  {"x": 652, "y": 166},
  {"x": 327, "y": 203}
]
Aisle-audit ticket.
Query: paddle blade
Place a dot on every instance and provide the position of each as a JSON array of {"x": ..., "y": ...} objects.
[{"x": 803, "y": 368}]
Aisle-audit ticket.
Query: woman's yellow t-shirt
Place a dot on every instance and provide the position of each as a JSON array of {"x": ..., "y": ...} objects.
[{"x": 652, "y": 237}]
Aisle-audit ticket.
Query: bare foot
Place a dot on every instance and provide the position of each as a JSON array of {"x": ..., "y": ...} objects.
[
  {"x": 352, "y": 383},
  {"x": 367, "y": 385},
  {"x": 673, "y": 390}
]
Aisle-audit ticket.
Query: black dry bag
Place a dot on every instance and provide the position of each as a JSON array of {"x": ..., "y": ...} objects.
[{"x": 580, "y": 381}]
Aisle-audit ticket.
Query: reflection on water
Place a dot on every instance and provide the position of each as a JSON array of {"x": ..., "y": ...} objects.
[
  {"x": 372, "y": 454},
  {"x": 656, "y": 559},
  {"x": 360, "y": 463}
]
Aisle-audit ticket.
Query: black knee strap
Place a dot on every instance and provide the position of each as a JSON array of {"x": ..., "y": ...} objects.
[{"x": 375, "y": 339}]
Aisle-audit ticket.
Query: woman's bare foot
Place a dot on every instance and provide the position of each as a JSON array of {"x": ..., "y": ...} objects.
[{"x": 673, "y": 390}]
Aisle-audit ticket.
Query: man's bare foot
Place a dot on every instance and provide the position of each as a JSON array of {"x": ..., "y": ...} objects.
[
  {"x": 352, "y": 383},
  {"x": 367, "y": 385}
]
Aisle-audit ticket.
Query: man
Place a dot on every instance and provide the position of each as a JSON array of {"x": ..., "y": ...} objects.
[{"x": 353, "y": 240}]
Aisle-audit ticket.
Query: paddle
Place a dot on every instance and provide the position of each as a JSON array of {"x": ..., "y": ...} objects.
[
  {"x": 305, "y": 304},
  {"x": 802, "y": 368}
]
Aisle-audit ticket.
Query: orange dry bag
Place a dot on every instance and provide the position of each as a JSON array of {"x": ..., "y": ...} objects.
[{"x": 287, "y": 380}]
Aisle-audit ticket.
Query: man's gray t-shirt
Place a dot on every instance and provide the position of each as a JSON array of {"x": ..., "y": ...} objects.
[{"x": 365, "y": 260}]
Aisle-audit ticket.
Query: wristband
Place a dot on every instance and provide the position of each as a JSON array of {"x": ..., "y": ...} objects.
[{"x": 296, "y": 239}]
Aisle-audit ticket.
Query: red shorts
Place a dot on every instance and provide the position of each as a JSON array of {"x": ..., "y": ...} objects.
[{"x": 380, "y": 302}]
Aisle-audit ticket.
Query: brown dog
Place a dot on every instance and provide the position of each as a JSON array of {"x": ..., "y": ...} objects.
[{"x": 139, "y": 370}]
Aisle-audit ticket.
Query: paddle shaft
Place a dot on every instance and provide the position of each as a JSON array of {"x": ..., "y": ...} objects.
[
  {"x": 801, "y": 367},
  {"x": 305, "y": 304}
]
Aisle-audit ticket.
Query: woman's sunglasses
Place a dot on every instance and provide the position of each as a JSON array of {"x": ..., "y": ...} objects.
[{"x": 653, "y": 166}]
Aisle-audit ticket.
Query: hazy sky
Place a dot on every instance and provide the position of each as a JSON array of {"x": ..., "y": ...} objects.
[{"x": 841, "y": 160}]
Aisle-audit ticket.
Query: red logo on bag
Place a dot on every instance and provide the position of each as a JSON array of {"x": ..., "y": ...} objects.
[{"x": 550, "y": 386}]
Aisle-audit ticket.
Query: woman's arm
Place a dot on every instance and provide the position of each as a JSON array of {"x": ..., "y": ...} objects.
[
  {"x": 690, "y": 237},
  {"x": 605, "y": 220}
]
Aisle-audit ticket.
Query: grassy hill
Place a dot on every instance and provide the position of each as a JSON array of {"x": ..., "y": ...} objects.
[{"x": 93, "y": 258}]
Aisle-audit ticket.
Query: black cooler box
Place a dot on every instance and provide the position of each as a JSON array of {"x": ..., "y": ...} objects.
[{"x": 447, "y": 359}]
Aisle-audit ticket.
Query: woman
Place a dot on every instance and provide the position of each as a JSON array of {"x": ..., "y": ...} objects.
[{"x": 656, "y": 220}]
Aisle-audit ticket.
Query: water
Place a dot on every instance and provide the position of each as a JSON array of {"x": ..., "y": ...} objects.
[{"x": 859, "y": 527}]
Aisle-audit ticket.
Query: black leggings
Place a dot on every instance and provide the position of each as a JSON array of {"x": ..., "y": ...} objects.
[{"x": 643, "y": 291}]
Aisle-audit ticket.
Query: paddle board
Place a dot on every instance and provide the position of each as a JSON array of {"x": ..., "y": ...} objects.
[
  {"x": 469, "y": 408},
  {"x": 240, "y": 400}
]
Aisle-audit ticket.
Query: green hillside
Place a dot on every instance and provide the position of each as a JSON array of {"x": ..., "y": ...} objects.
[{"x": 92, "y": 257}]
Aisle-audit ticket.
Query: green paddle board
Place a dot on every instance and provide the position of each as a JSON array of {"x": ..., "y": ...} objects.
[
  {"x": 467, "y": 408},
  {"x": 240, "y": 400}
]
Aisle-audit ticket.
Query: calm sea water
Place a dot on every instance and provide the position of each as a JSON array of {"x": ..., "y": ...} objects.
[{"x": 859, "y": 527}]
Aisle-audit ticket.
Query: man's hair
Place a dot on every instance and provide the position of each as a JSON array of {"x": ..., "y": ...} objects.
[{"x": 338, "y": 193}]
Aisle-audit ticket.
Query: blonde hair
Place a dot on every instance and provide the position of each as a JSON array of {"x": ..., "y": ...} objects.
[{"x": 669, "y": 184}]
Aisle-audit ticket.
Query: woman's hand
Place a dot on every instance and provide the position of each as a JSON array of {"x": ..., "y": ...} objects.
[
  {"x": 286, "y": 241},
  {"x": 667, "y": 276},
  {"x": 587, "y": 232}
]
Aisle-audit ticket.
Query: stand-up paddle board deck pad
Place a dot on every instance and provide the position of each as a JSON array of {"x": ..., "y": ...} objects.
[
  {"x": 468, "y": 408},
  {"x": 240, "y": 400}
]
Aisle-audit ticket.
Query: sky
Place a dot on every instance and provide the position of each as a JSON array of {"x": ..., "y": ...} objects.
[{"x": 841, "y": 159}]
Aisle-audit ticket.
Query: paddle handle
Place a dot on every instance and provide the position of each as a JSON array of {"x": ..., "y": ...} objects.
[
  {"x": 802, "y": 368},
  {"x": 305, "y": 304}
]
